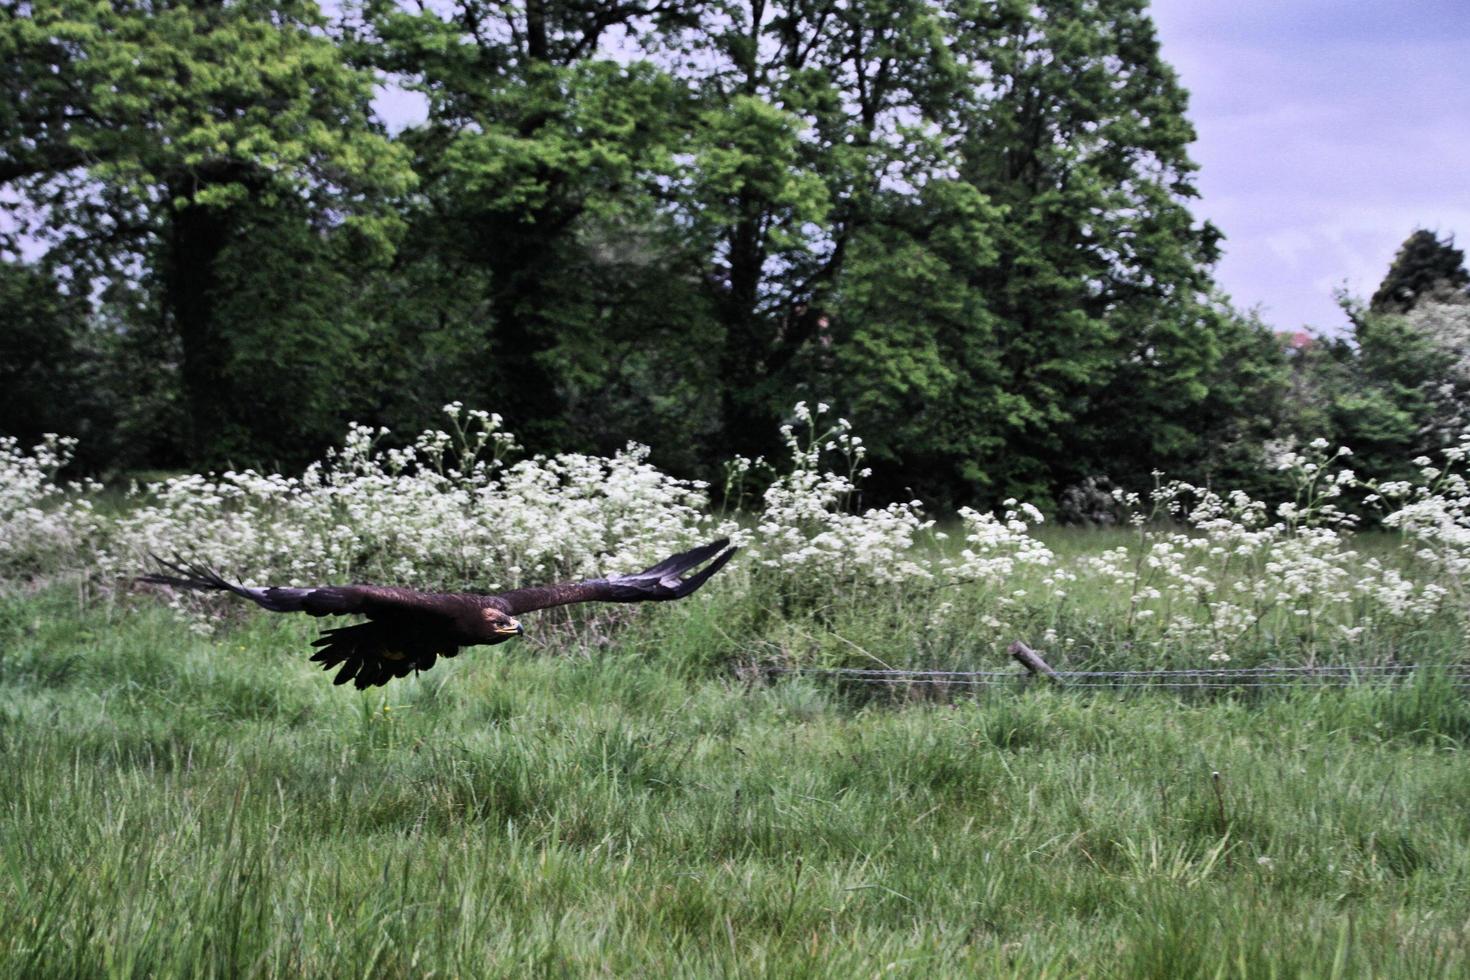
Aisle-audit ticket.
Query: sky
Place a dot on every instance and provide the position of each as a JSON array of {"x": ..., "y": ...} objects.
[{"x": 1328, "y": 131}]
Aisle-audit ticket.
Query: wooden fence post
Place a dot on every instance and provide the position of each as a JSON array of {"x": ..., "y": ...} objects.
[{"x": 1033, "y": 663}]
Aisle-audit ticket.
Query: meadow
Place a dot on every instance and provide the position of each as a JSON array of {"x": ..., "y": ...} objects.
[
  {"x": 185, "y": 806},
  {"x": 620, "y": 793}
]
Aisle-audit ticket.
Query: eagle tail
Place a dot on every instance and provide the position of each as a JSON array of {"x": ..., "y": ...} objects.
[{"x": 373, "y": 653}]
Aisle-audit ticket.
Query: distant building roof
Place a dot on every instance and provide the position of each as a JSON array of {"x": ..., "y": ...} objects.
[{"x": 1296, "y": 339}]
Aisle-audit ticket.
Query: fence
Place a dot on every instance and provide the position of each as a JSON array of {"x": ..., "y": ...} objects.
[{"x": 1211, "y": 679}]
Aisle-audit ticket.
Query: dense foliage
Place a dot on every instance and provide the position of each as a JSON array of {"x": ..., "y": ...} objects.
[
  {"x": 1425, "y": 264},
  {"x": 965, "y": 226}
]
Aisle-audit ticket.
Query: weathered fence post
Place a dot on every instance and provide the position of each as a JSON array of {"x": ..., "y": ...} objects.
[{"x": 1033, "y": 663}]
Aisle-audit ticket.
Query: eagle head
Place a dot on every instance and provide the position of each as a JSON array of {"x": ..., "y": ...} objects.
[{"x": 502, "y": 625}]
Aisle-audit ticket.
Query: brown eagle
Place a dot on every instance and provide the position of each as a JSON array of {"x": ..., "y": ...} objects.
[{"x": 408, "y": 630}]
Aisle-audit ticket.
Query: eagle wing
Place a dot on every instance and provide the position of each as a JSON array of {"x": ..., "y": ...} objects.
[
  {"x": 660, "y": 583},
  {"x": 406, "y": 630}
]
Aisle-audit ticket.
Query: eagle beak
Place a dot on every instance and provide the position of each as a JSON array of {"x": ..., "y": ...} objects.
[{"x": 511, "y": 628}]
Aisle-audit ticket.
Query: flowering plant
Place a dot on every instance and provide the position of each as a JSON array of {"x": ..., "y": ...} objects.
[
  {"x": 45, "y": 525},
  {"x": 1207, "y": 574}
]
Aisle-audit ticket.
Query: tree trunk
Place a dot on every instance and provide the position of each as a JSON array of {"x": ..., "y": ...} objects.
[
  {"x": 743, "y": 360},
  {"x": 196, "y": 237}
]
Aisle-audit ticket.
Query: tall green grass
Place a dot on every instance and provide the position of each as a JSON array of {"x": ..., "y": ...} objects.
[{"x": 614, "y": 801}]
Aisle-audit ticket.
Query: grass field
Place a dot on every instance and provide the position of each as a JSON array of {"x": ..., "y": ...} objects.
[{"x": 177, "y": 805}]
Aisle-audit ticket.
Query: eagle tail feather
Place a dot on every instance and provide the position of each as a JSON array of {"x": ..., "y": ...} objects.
[{"x": 373, "y": 653}]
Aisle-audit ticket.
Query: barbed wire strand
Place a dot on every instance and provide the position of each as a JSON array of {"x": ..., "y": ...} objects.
[
  {"x": 1211, "y": 678},
  {"x": 1191, "y": 672}
]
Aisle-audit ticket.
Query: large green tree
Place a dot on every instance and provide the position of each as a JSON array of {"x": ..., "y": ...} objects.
[
  {"x": 914, "y": 346},
  {"x": 814, "y": 156},
  {"x": 149, "y": 138},
  {"x": 541, "y": 164},
  {"x": 1076, "y": 128}
]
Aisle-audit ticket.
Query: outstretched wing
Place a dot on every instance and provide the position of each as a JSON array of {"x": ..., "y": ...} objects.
[
  {"x": 374, "y": 601},
  {"x": 662, "y": 582},
  {"x": 406, "y": 630}
]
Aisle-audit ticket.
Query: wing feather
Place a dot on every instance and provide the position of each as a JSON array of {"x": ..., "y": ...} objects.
[
  {"x": 659, "y": 583},
  {"x": 374, "y": 601}
]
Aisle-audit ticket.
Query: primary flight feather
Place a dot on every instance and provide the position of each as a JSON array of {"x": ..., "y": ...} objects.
[{"x": 408, "y": 630}]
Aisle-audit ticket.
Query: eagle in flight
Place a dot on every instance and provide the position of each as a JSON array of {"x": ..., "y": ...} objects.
[{"x": 408, "y": 630}]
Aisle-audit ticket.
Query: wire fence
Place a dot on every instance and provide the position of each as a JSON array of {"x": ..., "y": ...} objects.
[{"x": 1214, "y": 679}]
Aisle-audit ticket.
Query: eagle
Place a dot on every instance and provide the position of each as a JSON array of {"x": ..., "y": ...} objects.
[{"x": 408, "y": 630}]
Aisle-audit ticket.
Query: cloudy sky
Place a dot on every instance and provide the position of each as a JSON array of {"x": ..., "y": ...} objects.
[{"x": 1328, "y": 131}]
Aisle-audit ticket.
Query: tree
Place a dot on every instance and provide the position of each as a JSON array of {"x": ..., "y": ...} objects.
[
  {"x": 154, "y": 133},
  {"x": 542, "y": 165},
  {"x": 1246, "y": 380},
  {"x": 817, "y": 129},
  {"x": 1385, "y": 391},
  {"x": 1442, "y": 321},
  {"x": 1100, "y": 292},
  {"x": 66, "y": 367},
  {"x": 913, "y": 348},
  {"x": 1423, "y": 265}
]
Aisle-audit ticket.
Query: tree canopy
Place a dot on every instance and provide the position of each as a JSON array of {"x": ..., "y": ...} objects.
[
  {"x": 966, "y": 226},
  {"x": 151, "y": 140}
]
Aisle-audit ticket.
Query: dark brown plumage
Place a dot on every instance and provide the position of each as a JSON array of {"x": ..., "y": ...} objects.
[{"x": 408, "y": 630}]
